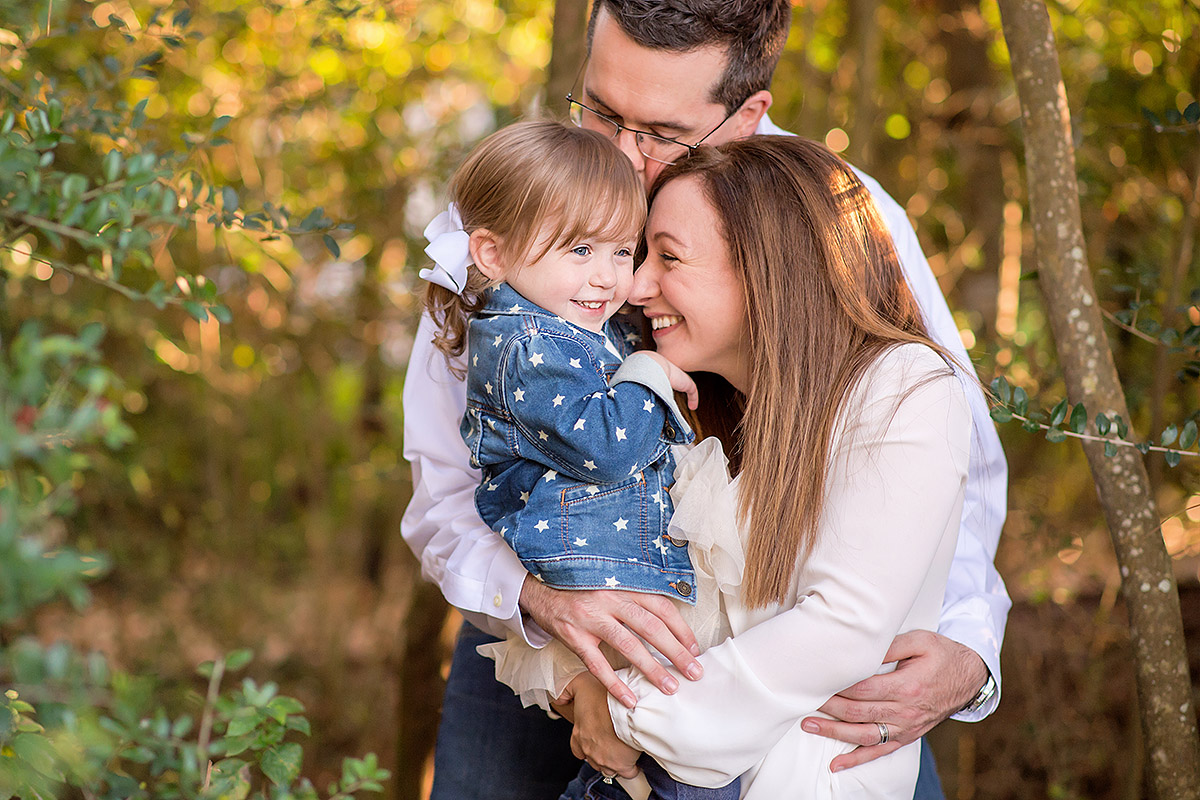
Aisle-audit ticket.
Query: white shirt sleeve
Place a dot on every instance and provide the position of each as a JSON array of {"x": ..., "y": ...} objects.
[
  {"x": 893, "y": 502},
  {"x": 475, "y": 569},
  {"x": 976, "y": 606}
]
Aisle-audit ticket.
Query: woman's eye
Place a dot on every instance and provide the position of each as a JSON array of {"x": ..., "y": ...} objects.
[
  {"x": 581, "y": 250},
  {"x": 667, "y": 258}
]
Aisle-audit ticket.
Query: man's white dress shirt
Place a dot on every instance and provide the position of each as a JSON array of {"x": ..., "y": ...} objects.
[{"x": 480, "y": 575}]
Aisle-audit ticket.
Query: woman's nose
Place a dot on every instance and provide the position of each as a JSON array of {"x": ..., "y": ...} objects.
[{"x": 645, "y": 284}]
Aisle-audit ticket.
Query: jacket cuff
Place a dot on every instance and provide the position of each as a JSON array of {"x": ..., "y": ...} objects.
[{"x": 642, "y": 369}]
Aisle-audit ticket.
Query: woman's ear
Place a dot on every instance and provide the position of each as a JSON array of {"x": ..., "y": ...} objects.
[
  {"x": 746, "y": 119},
  {"x": 485, "y": 252}
]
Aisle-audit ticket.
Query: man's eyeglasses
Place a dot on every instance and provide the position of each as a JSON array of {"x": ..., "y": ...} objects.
[{"x": 652, "y": 146}]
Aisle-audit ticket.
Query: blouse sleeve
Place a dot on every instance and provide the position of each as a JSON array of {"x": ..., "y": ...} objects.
[{"x": 894, "y": 493}]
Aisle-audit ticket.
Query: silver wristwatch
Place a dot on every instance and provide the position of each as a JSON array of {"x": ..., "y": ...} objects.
[{"x": 985, "y": 694}]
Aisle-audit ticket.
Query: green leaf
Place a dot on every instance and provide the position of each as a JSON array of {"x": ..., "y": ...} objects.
[
  {"x": 1192, "y": 113},
  {"x": 1122, "y": 428},
  {"x": 246, "y": 720},
  {"x": 1142, "y": 447},
  {"x": 1079, "y": 418},
  {"x": 219, "y": 124},
  {"x": 222, "y": 314},
  {"x": 238, "y": 659},
  {"x": 229, "y": 198},
  {"x": 1169, "y": 435},
  {"x": 1059, "y": 412},
  {"x": 196, "y": 310},
  {"x": 1110, "y": 449},
  {"x": 331, "y": 245},
  {"x": 36, "y": 751},
  {"x": 1001, "y": 389},
  {"x": 1151, "y": 117},
  {"x": 1102, "y": 424},
  {"x": 74, "y": 186},
  {"x": 282, "y": 763},
  {"x": 1020, "y": 400},
  {"x": 1001, "y": 414},
  {"x": 1055, "y": 435},
  {"x": 1173, "y": 459},
  {"x": 111, "y": 165},
  {"x": 1187, "y": 437}
]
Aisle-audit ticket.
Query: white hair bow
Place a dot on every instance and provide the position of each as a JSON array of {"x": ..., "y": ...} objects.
[{"x": 449, "y": 249}]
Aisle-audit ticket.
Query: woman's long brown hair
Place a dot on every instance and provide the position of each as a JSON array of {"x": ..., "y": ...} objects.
[{"x": 825, "y": 296}]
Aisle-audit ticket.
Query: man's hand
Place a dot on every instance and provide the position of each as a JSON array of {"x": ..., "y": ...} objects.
[
  {"x": 583, "y": 619},
  {"x": 934, "y": 679},
  {"x": 593, "y": 739}
]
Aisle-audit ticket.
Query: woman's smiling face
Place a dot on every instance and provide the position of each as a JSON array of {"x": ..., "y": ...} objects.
[{"x": 688, "y": 288}]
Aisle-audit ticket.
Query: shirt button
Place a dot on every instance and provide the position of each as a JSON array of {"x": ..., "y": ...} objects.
[
  {"x": 684, "y": 588},
  {"x": 497, "y": 600}
]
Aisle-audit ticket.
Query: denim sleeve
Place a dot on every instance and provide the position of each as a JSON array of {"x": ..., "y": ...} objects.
[{"x": 568, "y": 417}]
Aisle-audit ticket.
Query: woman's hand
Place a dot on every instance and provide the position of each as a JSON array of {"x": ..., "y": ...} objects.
[{"x": 585, "y": 702}]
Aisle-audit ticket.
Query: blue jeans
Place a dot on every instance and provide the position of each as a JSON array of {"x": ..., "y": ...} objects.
[
  {"x": 589, "y": 785},
  {"x": 490, "y": 748}
]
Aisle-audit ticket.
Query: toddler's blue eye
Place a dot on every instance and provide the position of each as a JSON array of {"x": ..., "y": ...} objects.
[
  {"x": 625, "y": 252},
  {"x": 581, "y": 250}
]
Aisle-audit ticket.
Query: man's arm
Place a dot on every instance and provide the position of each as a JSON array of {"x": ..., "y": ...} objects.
[{"x": 480, "y": 575}]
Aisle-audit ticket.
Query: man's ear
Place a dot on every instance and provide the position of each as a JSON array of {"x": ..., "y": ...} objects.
[
  {"x": 746, "y": 119},
  {"x": 485, "y": 252}
]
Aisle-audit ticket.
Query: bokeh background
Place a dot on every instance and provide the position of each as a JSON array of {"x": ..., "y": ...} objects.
[{"x": 259, "y": 504}]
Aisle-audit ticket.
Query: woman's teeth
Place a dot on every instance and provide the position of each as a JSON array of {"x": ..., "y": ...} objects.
[{"x": 657, "y": 323}]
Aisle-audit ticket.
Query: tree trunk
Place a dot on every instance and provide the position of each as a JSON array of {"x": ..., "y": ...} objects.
[
  {"x": 867, "y": 50},
  {"x": 567, "y": 50},
  {"x": 1148, "y": 586}
]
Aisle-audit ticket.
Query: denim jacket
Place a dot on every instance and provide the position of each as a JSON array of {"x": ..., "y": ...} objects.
[{"x": 576, "y": 467}]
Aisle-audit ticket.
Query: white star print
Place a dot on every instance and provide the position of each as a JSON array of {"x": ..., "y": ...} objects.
[
  {"x": 542, "y": 525},
  {"x": 590, "y": 464},
  {"x": 515, "y": 308},
  {"x": 575, "y": 363},
  {"x": 558, "y": 400},
  {"x": 580, "y": 542},
  {"x": 633, "y": 469},
  {"x": 612, "y": 582},
  {"x": 503, "y": 530},
  {"x": 535, "y": 359},
  {"x": 488, "y": 386},
  {"x": 492, "y": 487},
  {"x": 648, "y": 406},
  {"x": 621, "y": 524},
  {"x": 545, "y": 437},
  {"x": 496, "y": 342},
  {"x": 661, "y": 545},
  {"x": 550, "y": 475},
  {"x": 655, "y": 497},
  {"x": 632, "y": 337},
  {"x": 597, "y": 395},
  {"x": 524, "y": 497},
  {"x": 579, "y": 424},
  {"x": 612, "y": 392},
  {"x": 475, "y": 361},
  {"x": 519, "y": 396},
  {"x": 592, "y": 490},
  {"x": 492, "y": 424},
  {"x": 620, "y": 434}
]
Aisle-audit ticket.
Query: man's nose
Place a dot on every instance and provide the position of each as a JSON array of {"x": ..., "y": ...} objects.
[{"x": 627, "y": 142}]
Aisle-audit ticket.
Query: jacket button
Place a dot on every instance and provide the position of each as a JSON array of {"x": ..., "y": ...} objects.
[
  {"x": 684, "y": 588},
  {"x": 669, "y": 431},
  {"x": 677, "y": 542}
]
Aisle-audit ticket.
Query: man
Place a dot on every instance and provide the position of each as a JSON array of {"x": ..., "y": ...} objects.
[{"x": 688, "y": 71}]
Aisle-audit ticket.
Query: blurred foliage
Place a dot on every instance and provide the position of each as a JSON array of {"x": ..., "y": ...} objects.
[{"x": 201, "y": 363}]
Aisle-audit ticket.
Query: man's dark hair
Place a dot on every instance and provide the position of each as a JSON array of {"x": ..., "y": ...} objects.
[{"x": 751, "y": 31}]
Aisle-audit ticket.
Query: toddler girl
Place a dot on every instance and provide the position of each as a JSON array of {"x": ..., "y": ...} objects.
[{"x": 572, "y": 432}]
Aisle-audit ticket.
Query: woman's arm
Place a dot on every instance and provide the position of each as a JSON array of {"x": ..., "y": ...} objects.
[{"x": 893, "y": 500}]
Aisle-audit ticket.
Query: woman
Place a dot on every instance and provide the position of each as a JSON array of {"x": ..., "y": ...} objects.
[{"x": 769, "y": 271}]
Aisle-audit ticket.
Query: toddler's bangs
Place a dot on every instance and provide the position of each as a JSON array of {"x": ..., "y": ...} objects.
[{"x": 599, "y": 196}]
